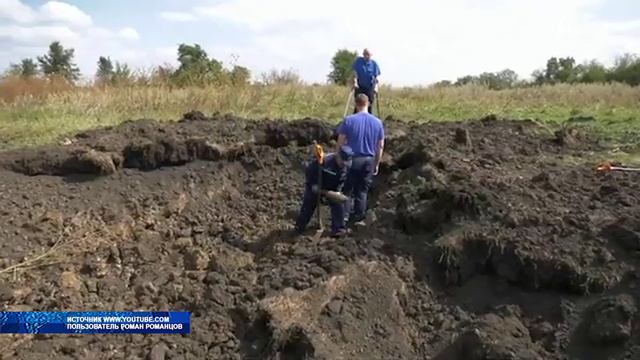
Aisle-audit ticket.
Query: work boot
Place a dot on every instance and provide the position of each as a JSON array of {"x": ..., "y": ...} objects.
[
  {"x": 356, "y": 219},
  {"x": 339, "y": 233},
  {"x": 360, "y": 224},
  {"x": 297, "y": 231}
]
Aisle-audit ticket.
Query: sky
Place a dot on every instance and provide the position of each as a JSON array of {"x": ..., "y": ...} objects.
[{"x": 415, "y": 42}]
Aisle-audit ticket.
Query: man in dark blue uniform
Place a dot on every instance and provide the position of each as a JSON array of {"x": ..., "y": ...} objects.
[
  {"x": 335, "y": 168},
  {"x": 364, "y": 134},
  {"x": 366, "y": 72}
]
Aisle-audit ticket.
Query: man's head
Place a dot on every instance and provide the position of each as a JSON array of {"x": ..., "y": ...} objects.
[
  {"x": 366, "y": 54},
  {"x": 345, "y": 155},
  {"x": 362, "y": 102}
]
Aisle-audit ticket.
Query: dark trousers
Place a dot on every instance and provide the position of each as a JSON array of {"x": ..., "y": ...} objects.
[
  {"x": 357, "y": 187},
  {"x": 309, "y": 204},
  {"x": 370, "y": 94}
]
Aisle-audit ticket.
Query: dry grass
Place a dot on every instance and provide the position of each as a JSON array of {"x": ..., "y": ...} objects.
[
  {"x": 20, "y": 89},
  {"x": 32, "y": 114},
  {"x": 83, "y": 233}
]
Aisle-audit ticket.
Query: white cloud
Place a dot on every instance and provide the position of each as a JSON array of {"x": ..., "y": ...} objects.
[
  {"x": 419, "y": 41},
  {"x": 97, "y": 32},
  {"x": 15, "y": 10},
  {"x": 50, "y": 12},
  {"x": 178, "y": 16},
  {"x": 37, "y": 34},
  {"x": 129, "y": 33},
  {"x": 414, "y": 41},
  {"x": 27, "y": 32},
  {"x": 167, "y": 53},
  {"x": 65, "y": 13}
]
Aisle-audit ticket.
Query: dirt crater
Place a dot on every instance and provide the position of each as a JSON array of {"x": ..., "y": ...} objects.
[{"x": 481, "y": 244}]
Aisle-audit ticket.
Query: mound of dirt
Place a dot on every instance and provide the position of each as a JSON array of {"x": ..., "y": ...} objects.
[
  {"x": 499, "y": 335},
  {"x": 482, "y": 242},
  {"x": 354, "y": 315}
]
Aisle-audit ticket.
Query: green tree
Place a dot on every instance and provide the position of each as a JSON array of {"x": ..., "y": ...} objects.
[
  {"x": 466, "y": 80},
  {"x": 110, "y": 74},
  {"x": 282, "y": 77},
  {"x": 488, "y": 80},
  {"x": 504, "y": 79},
  {"x": 59, "y": 61},
  {"x": 567, "y": 72},
  {"x": 591, "y": 72},
  {"x": 105, "y": 72},
  {"x": 507, "y": 79},
  {"x": 560, "y": 70},
  {"x": 626, "y": 70},
  {"x": 26, "y": 68},
  {"x": 552, "y": 70},
  {"x": 539, "y": 77},
  {"x": 196, "y": 67},
  {"x": 122, "y": 74},
  {"x": 239, "y": 75},
  {"x": 442, "y": 84},
  {"x": 341, "y": 63}
]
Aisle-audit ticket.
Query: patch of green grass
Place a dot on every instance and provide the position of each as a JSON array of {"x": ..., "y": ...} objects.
[{"x": 33, "y": 121}]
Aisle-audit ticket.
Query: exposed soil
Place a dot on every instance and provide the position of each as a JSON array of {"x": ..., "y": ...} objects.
[{"x": 483, "y": 242}]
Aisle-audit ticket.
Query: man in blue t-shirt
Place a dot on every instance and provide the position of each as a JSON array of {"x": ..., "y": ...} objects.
[
  {"x": 366, "y": 72},
  {"x": 364, "y": 134}
]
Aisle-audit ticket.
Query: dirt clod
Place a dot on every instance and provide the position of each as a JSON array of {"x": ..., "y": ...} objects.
[
  {"x": 611, "y": 320},
  {"x": 463, "y": 137},
  {"x": 196, "y": 259},
  {"x": 369, "y": 291},
  {"x": 625, "y": 232},
  {"x": 69, "y": 281},
  {"x": 227, "y": 259},
  {"x": 494, "y": 337},
  {"x": 568, "y": 136},
  {"x": 158, "y": 352},
  {"x": 6, "y": 293}
]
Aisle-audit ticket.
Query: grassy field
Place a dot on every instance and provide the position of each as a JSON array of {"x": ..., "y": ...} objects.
[{"x": 45, "y": 117}]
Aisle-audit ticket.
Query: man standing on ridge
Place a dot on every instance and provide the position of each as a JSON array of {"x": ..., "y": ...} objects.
[
  {"x": 365, "y": 81},
  {"x": 364, "y": 134}
]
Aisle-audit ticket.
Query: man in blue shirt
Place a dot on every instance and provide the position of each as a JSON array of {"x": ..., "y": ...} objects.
[
  {"x": 334, "y": 174},
  {"x": 364, "y": 134},
  {"x": 366, "y": 72}
]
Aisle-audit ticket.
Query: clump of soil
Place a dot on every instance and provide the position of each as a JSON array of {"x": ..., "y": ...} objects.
[{"x": 482, "y": 243}]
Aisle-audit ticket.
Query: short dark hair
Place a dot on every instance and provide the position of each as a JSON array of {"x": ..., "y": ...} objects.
[{"x": 362, "y": 100}]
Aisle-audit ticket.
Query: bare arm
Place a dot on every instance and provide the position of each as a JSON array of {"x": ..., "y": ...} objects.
[
  {"x": 342, "y": 140},
  {"x": 355, "y": 75},
  {"x": 379, "y": 152},
  {"x": 376, "y": 77}
]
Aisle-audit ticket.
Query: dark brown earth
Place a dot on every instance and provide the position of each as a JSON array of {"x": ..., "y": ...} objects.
[{"x": 484, "y": 242}]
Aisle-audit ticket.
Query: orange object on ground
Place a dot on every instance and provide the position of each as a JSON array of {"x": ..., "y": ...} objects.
[
  {"x": 319, "y": 153},
  {"x": 607, "y": 166}
]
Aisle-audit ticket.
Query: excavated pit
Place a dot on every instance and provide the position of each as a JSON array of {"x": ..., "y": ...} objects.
[{"x": 482, "y": 243}]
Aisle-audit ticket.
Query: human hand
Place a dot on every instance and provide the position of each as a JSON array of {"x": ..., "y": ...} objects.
[{"x": 377, "y": 170}]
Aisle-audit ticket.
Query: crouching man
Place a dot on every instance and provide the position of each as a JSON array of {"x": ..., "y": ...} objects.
[{"x": 334, "y": 174}]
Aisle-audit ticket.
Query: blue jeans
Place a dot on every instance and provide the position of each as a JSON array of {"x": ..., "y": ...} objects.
[
  {"x": 309, "y": 204},
  {"x": 357, "y": 186}
]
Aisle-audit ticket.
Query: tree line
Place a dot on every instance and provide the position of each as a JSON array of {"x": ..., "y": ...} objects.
[
  {"x": 196, "y": 67},
  {"x": 625, "y": 69}
]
